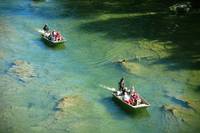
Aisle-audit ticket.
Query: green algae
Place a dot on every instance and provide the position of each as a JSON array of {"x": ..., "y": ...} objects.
[
  {"x": 155, "y": 45},
  {"x": 135, "y": 68},
  {"x": 182, "y": 115},
  {"x": 23, "y": 70}
]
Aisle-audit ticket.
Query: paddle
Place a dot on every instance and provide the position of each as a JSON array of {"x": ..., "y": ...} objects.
[
  {"x": 40, "y": 31},
  {"x": 108, "y": 88}
]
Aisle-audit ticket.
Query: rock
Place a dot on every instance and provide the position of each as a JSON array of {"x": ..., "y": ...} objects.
[
  {"x": 23, "y": 70},
  {"x": 68, "y": 102},
  {"x": 155, "y": 49},
  {"x": 193, "y": 103},
  {"x": 122, "y": 61},
  {"x": 185, "y": 102},
  {"x": 71, "y": 107},
  {"x": 179, "y": 101},
  {"x": 2, "y": 55},
  {"x": 179, "y": 113},
  {"x": 135, "y": 68},
  {"x": 181, "y": 8},
  {"x": 168, "y": 108}
]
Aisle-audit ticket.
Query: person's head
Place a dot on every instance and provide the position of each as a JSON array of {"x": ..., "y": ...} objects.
[{"x": 133, "y": 90}]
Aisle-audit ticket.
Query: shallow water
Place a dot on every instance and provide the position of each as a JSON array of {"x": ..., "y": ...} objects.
[{"x": 164, "y": 69}]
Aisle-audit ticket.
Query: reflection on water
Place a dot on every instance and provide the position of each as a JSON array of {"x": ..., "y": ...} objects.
[{"x": 162, "y": 62}]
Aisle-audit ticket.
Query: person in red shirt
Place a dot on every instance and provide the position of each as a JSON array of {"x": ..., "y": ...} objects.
[
  {"x": 58, "y": 36},
  {"x": 134, "y": 97}
]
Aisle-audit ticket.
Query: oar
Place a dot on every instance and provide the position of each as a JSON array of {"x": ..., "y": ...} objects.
[
  {"x": 108, "y": 88},
  {"x": 40, "y": 31},
  {"x": 133, "y": 87}
]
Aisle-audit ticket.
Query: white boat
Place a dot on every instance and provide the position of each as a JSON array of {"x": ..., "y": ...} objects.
[
  {"x": 47, "y": 37},
  {"x": 119, "y": 98}
]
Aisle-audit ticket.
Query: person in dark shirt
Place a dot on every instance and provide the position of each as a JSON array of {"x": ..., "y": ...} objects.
[
  {"x": 46, "y": 28},
  {"x": 121, "y": 84}
]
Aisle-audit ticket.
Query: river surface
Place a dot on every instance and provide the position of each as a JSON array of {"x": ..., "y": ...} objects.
[{"x": 34, "y": 77}]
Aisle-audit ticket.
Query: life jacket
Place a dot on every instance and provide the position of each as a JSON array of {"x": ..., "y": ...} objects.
[
  {"x": 135, "y": 96},
  {"x": 127, "y": 101},
  {"x": 58, "y": 36}
]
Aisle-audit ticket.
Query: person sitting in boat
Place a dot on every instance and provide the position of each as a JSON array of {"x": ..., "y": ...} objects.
[
  {"x": 126, "y": 98},
  {"x": 48, "y": 35},
  {"x": 46, "y": 28},
  {"x": 135, "y": 98},
  {"x": 58, "y": 36},
  {"x": 53, "y": 35}
]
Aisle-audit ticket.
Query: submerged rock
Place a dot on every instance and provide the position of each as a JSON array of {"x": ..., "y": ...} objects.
[
  {"x": 179, "y": 113},
  {"x": 193, "y": 103},
  {"x": 72, "y": 107},
  {"x": 181, "y": 8},
  {"x": 122, "y": 61},
  {"x": 185, "y": 102},
  {"x": 2, "y": 55},
  {"x": 68, "y": 102},
  {"x": 157, "y": 49},
  {"x": 179, "y": 101},
  {"x": 168, "y": 108},
  {"x": 134, "y": 68},
  {"x": 23, "y": 70}
]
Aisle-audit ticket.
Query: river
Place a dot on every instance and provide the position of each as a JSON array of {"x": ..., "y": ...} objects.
[{"x": 163, "y": 65}]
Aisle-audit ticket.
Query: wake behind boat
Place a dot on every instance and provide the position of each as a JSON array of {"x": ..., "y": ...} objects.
[{"x": 52, "y": 37}]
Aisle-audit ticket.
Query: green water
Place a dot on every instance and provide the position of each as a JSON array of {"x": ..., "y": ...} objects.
[{"x": 98, "y": 34}]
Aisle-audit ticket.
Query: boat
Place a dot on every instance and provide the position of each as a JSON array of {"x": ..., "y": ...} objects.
[
  {"x": 47, "y": 37},
  {"x": 119, "y": 99}
]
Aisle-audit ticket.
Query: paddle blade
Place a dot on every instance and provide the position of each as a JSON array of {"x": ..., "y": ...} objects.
[
  {"x": 40, "y": 31},
  {"x": 108, "y": 88}
]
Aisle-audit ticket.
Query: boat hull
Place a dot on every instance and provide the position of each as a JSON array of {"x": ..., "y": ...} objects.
[
  {"x": 127, "y": 106},
  {"x": 50, "y": 42},
  {"x": 46, "y": 39}
]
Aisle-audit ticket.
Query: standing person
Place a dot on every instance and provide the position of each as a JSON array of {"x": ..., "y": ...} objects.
[
  {"x": 135, "y": 97},
  {"x": 121, "y": 84},
  {"x": 46, "y": 28}
]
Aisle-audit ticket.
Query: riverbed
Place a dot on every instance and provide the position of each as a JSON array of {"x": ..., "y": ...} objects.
[{"x": 162, "y": 62}]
